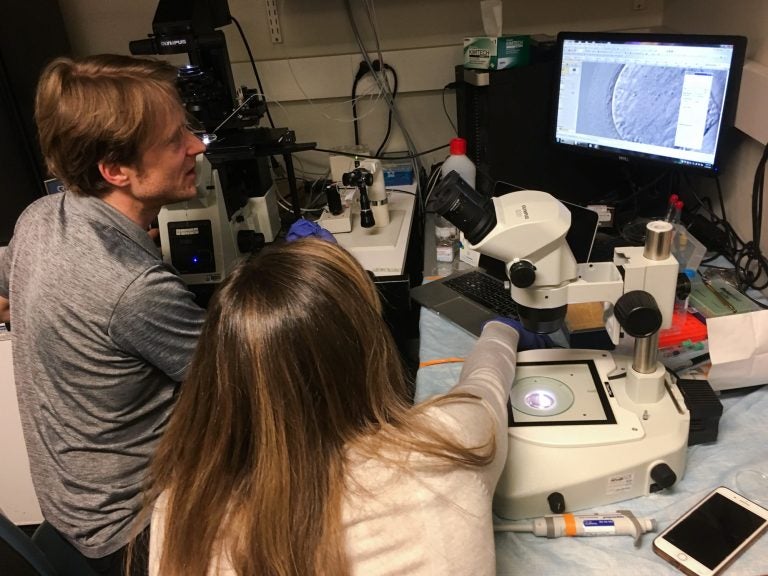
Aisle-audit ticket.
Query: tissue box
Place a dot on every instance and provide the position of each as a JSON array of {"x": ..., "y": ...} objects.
[{"x": 496, "y": 53}]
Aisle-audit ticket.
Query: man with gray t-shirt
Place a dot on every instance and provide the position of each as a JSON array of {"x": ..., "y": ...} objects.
[{"x": 102, "y": 329}]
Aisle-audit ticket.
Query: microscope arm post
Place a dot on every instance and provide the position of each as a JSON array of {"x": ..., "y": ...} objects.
[
  {"x": 645, "y": 356},
  {"x": 296, "y": 204},
  {"x": 646, "y": 377}
]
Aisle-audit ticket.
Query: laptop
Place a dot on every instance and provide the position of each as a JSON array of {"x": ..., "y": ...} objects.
[{"x": 469, "y": 298}]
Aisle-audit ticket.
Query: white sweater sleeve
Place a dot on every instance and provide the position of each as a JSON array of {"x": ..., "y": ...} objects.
[
  {"x": 488, "y": 373},
  {"x": 489, "y": 370}
]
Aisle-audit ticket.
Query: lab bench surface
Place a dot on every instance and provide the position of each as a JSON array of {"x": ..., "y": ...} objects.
[{"x": 742, "y": 445}]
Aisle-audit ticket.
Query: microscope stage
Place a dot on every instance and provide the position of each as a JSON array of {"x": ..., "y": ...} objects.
[
  {"x": 576, "y": 433},
  {"x": 558, "y": 392}
]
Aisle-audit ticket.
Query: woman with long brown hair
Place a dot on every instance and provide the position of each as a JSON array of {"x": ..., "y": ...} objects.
[{"x": 293, "y": 448}]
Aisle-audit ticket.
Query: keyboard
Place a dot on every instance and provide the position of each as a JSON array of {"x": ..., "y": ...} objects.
[{"x": 486, "y": 291}]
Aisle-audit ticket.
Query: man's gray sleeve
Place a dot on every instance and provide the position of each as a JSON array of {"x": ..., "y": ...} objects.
[
  {"x": 5, "y": 270},
  {"x": 158, "y": 320}
]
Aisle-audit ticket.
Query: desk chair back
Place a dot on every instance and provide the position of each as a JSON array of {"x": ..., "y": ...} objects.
[
  {"x": 19, "y": 556},
  {"x": 65, "y": 558}
]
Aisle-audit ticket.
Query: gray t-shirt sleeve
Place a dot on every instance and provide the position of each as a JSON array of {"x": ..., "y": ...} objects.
[
  {"x": 5, "y": 270},
  {"x": 158, "y": 320}
]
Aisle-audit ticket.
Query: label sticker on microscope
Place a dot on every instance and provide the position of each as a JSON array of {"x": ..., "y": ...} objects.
[{"x": 620, "y": 483}]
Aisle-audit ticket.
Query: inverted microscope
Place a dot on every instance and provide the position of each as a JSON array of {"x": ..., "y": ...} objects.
[{"x": 235, "y": 212}]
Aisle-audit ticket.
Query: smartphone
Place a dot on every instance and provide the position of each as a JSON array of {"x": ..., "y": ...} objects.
[{"x": 712, "y": 534}]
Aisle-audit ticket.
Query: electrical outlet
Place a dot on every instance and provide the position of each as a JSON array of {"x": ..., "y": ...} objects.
[{"x": 639, "y": 5}]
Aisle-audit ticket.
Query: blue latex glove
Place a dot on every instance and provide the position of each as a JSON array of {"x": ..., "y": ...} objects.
[
  {"x": 304, "y": 228},
  {"x": 528, "y": 340}
]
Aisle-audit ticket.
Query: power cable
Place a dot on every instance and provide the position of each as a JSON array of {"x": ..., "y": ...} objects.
[
  {"x": 409, "y": 156},
  {"x": 389, "y": 114},
  {"x": 450, "y": 85},
  {"x": 361, "y": 72},
  {"x": 253, "y": 67},
  {"x": 381, "y": 81},
  {"x": 751, "y": 264}
]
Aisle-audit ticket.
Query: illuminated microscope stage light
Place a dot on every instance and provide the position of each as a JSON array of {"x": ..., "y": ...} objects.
[
  {"x": 541, "y": 396},
  {"x": 540, "y": 400}
]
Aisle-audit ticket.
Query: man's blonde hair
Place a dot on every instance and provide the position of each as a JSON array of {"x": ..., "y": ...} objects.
[{"x": 103, "y": 108}]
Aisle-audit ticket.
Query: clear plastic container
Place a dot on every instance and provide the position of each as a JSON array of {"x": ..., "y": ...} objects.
[
  {"x": 686, "y": 249},
  {"x": 458, "y": 161},
  {"x": 445, "y": 240}
]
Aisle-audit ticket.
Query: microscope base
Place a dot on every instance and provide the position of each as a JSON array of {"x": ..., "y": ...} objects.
[
  {"x": 575, "y": 433},
  {"x": 336, "y": 223},
  {"x": 382, "y": 250}
]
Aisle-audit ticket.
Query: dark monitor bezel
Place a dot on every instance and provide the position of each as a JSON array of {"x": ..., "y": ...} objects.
[{"x": 739, "y": 44}]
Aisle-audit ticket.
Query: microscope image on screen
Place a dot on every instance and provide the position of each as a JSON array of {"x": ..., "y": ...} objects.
[
  {"x": 660, "y": 106},
  {"x": 660, "y": 97}
]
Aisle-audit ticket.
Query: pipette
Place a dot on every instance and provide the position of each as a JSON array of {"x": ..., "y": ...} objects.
[{"x": 620, "y": 523}]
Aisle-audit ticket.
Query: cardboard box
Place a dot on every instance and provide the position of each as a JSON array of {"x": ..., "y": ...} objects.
[
  {"x": 584, "y": 327},
  {"x": 496, "y": 53}
]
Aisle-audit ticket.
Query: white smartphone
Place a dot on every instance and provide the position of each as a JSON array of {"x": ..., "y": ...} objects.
[{"x": 712, "y": 534}]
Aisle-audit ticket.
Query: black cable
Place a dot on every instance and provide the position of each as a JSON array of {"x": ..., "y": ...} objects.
[
  {"x": 361, "y": 71},
  {"x": 353, "y": 155},
  {"x": 450, "y": 85},
  {"x": 751, "y": 265},
  {"x": 720, "y": 197},
  {"x": 384, "y": 88},
  {"x": 253, "y": 67},
  {"x": 389, "y": 114}
]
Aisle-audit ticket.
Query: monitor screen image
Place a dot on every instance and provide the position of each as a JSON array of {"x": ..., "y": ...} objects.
[{"x": 660, "y": 97}]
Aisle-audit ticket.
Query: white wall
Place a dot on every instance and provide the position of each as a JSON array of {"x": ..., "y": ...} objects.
[
  {"x": 17, "y": 495},
  {"x": 320, "y": 27},
  {"x": 313, "y": 28},
  {"x": 313, "y": 31},
  {"x": 747, "y": 18}
]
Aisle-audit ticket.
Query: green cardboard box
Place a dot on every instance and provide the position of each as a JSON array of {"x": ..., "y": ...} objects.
[{"x": 496, "y": 53}]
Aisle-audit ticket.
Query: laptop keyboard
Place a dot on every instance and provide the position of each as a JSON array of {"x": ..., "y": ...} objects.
[{"x": 486, "y": 291}]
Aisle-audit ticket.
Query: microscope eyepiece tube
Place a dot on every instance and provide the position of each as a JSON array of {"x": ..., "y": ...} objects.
[
  {"x": 464, "y": 207},
  {"x": 658, "y": 240}
]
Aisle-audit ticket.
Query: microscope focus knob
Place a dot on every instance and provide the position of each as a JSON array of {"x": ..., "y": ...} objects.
[
  {"x": 663, "y": 477},
  {"x": 556, "y": 503},
  {"x": 522, "y": 273},
  {"x": 638, "y": 313},
  {"x": 249, "y": 241}
]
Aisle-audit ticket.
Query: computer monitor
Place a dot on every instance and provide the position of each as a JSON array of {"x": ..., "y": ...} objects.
[{"x": 664, "y": 98}]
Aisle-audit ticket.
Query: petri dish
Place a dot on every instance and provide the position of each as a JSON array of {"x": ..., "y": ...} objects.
[{"x": 753, "y": 484}]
